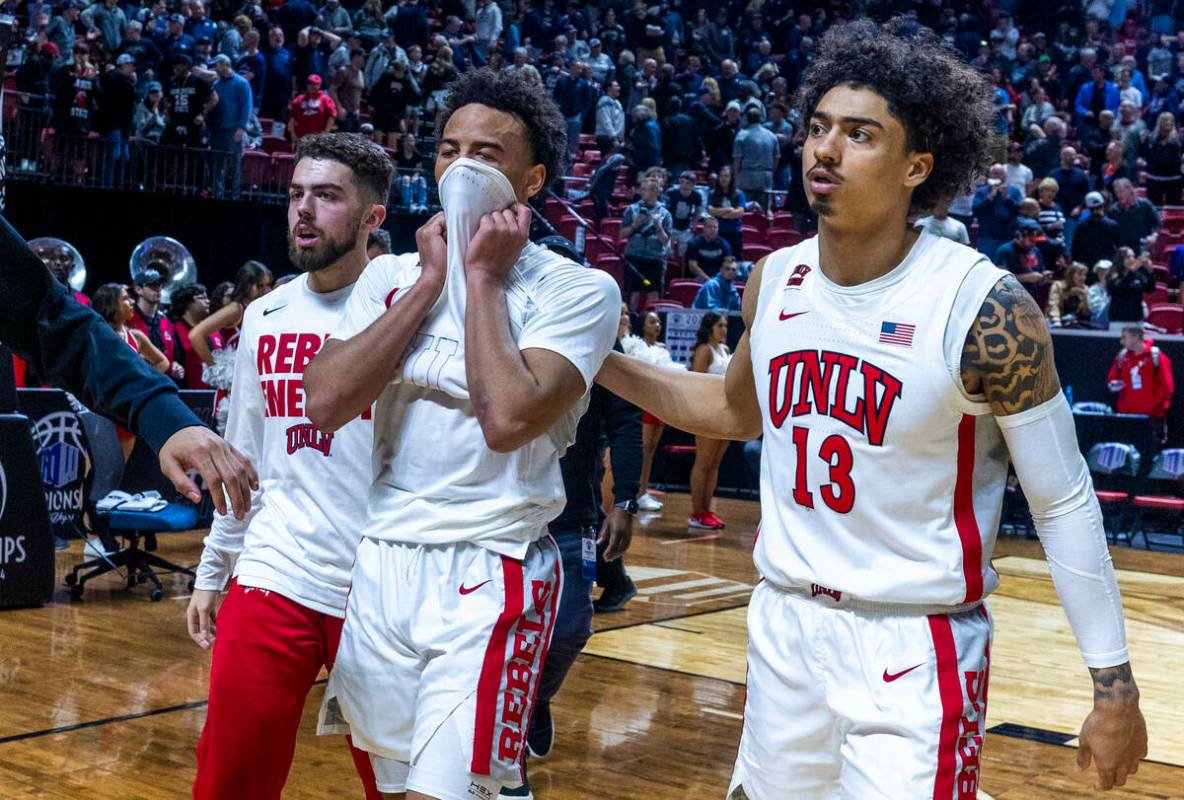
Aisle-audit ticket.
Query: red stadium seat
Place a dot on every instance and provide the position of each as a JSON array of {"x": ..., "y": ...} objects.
[
  {"x": 256, "y": 170},
  {"x": 1168, "y": 317},
  {"x": 613, "y": 266},
  {"x": 276, "y": 144},
  {"x": 740, "y": 289},
  {"x": 592, "y": 157},
  {"x": 594, "y": 248},
  {"x": 568, "y": 226},
  {"x": 755, "y": 251},
  {"x": 663, "y": 305},
  {"x": 755, "y": 219},
  {"x": 283, "y": 165},
  {"x": 750, "y": 234},
  {"x": 778, "y": 239},
  {"x": 579, "y": 170},
  {"x": 610, "y": 228},
  {"x": 683, "y": 291}
]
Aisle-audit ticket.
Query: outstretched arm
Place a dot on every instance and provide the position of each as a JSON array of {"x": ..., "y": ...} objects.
[
  {"x": 1008, "y": 358},
  {"x": 707, "y": 405}
]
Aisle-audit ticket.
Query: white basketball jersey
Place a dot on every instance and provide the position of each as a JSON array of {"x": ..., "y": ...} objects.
[
  {"x": 880, "y": 478},
  {"x": 435, "y": 479}
]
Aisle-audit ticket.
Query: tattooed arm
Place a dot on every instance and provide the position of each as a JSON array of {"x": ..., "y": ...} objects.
[{"x": 1008, "y": 358}]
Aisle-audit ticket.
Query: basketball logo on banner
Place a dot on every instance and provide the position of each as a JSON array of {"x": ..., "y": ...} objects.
[{"x": 59, "y": 442}]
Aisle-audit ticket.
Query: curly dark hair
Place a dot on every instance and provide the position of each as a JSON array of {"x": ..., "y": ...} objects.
[
  {"x": 530, "y": 103},
  {"x": 181, "y": 299},
  {"x": 943, "y": 104},
  {"x": 372, "y": 168}
]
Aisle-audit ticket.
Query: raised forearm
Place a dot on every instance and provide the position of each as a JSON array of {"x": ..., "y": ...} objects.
[
  {"x": 691, "y": 401},
  {"x": 347, "y": 376},
  {"x": 503, "y": 390}
]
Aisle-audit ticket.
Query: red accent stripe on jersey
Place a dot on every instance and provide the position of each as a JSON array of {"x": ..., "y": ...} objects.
[
  {"x": 494, "y": 666},
  {"x": 950, "y": 691},
  {"x": 556, "y": 591},
  {"x": 964, "y": 519}
]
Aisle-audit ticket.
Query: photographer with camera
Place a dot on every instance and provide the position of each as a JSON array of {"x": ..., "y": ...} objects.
[{"x": 996, "y": 207}]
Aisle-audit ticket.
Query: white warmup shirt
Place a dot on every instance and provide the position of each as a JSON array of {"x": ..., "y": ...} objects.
[
  {"x": 880, "y": 478},
  {"x": 306, "y": 519},
  {"x": 436, "y": 481}
]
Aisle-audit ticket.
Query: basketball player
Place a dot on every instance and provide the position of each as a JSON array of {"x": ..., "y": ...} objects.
[
  {"x": 288, "y": 562},
  {"x": 893, "y": 373},
  {"x": 456, "y": 582}
]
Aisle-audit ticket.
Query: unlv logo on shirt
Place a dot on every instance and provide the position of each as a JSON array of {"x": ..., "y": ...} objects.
[{"x": 305, "y": 434}]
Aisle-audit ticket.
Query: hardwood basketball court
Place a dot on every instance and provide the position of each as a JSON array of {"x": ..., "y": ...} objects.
[{"x": 104, "y": 699}]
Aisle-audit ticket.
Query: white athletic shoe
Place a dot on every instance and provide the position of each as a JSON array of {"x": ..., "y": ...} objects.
[
  {"x": 94, "y": 549},
  {"x": 647, "y": 502}
]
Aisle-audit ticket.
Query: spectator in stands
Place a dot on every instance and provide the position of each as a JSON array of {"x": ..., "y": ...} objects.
[
  {"x": 1042, "y": 152},
  {"x": 1051, "y": 215},
  {"x": 346, "y": 92},
  {"x": 779, "y": 126},
  {"x": 996, "y": 206},
  {"x": 1019, "y": 176},
  {"x": 686, "y": 207},
  {"x": 381, "y": 57},
  {"x": 726, "y": 203},
  {"x": 645, "y": 227},
  {"x": 413, "y": 187},
  {"x": 940, "y": 223},
  {"x": 1094, "y": 97},
  {"x": 150, "y": 120},
  {"x": 177, "y": 43},
  {"x": 1037, "y": 112},
  {"x": 278, "y": 76},
  {"x": 489, "y": 27},
  {"x": 189, "y": 305},
  {"x": 576, "y": 96},
  {"x": 646, "y": 139},
  {"x": 203, "y": 56},
  {"x": 378, "y": 243},
  {"x": 1022, "y": 257},
  {"x": 1137, "y": 219},
  {"x": 394, "y": 93},
  {"x": 1164, "y": 97},
  {"x": 611, "y": 33},
  {"x": 682, "y": 149},
  {"x": 113, "y": 118},
  {"x": 252, "y": 65},
  {"x": 755, "y": 156},
  {"x": 147, "y": 318},
  {"x": 369, "y": 24},
  {"x": 228, "y": 126},
  {"x": 75, "y": 89},
  {"x": 1094, "y": 141},
  {"x": 610, "y": 117},
  {"x": 600, "y": 65},
  {"x": 198, "y": 25},
  {"x": 440, "y": 73},
  {"x": 1097, "y": 295},
  {"x": 1097, "y": 236},
  {"x": 1068, "y": 300},
  {"x": 719, "y": 293},
  {"x": 106, "y": 21},
  {"x": 231, "y": 42},
  {"x": 721, "y": 144},
  {"x": 1161, "y": 151},
  {"x": 294, "y": 16},
  {"x": 61, "y": 27},
  {"x": 1131, "y": 131},
  {"x": 1126, "y": 284},
  {"x": 190, "y": 99},
  {"x": 143, "y": 51},
  {"x": 1072, "y": 183},
  {"x": 711, "y": 355},
  {"x": 312, "y": 112},
  {"x": 312, "y": 51},
  {"x": 335, "y": 19},
  {"x": 1141, "y": 376},
  {"x": 1126, "y": 92}
]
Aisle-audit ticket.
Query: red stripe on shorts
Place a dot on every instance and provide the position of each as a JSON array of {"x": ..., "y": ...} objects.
[
  {"x": 964, "y": 519},
  {"x": 489, "y": 684},
  {"x": 951, "y": 705}
]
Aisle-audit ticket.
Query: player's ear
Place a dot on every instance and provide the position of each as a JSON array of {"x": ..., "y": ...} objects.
[
  {"x": 376, "y": 216},
  {"x": 919, "y": 167},
  {"x": 536, "y": 176}
]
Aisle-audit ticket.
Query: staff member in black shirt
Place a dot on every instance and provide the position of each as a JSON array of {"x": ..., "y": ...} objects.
[
  {"x": 575, "y": 531},
  {"x": 72, "y": 347}
]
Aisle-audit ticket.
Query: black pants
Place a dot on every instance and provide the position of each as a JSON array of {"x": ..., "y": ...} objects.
[{"x": 1164, "y": 193}]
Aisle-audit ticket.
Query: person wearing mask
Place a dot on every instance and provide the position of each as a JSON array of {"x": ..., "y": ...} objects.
[
  {"x": 1097, "y": 236},
  {"x": 1141, "y": 376},
  {"x": 996, "y": 207},
  {"x": 645, "y": 227},
  {"x": 228, "y": 126},
  {"x": 1130, "y": 279},
  {"x": 188, "y": 306},
  {"x": 711, "y": 355},
  {"x": 719, "y": 293}
]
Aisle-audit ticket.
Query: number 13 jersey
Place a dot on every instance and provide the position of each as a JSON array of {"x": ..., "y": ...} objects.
[
  {"x": 435, "y": 479},
  {"x": 880, "y": 478}
]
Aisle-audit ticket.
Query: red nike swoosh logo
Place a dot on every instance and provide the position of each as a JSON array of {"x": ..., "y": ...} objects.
[
  {"x": 470, "y": 589},
  {"x": 889, "y": 677},
  {"x": 785, "y": 316}
]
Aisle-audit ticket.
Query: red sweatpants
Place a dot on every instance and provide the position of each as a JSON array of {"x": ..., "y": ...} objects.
[{"x": 267, "y": 655}]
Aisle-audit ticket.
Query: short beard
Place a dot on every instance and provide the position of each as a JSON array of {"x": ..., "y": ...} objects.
[
  {"x": 325, "y": 254},
  {"x": 822, "y": 207}
]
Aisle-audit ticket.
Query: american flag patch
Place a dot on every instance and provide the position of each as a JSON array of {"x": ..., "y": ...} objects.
[{"x": 897, "y": 333}]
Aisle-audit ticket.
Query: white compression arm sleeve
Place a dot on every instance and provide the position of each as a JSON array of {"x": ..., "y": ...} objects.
[{"x": 1043, "y": 446}]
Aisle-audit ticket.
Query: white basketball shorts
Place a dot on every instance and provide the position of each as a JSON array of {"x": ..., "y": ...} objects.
[
  {"x": 444, "y": 635},
  {"x": 859, "y": 706}
]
